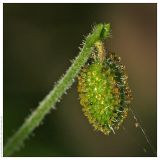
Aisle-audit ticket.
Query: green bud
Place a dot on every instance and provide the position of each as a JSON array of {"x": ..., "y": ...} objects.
[{"x": 104, "y": 92}]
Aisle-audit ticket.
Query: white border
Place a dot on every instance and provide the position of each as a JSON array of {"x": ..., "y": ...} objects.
[
  {"x": 1, "y": 79},
  {"x": 81, "y": 158},
  {"x": 158, "y": 78},
  {"x": 82, "y": 1},
  {"x": 79, "y": 1}
]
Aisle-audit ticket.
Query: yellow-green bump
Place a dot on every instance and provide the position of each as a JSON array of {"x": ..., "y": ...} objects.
[{"x": 104, "y": 93}]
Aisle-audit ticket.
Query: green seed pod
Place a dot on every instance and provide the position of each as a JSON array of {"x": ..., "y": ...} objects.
[{"x": 103, "y": 90}]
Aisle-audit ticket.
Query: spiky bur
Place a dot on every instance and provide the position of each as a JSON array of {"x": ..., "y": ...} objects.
[{"x": 104, "y": 91}]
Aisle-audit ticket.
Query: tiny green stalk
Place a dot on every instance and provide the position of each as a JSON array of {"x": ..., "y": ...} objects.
[{"x": 99, "y": 33}]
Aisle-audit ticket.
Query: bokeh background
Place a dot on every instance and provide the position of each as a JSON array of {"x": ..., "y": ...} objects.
[{"x": 39, "y": 42}]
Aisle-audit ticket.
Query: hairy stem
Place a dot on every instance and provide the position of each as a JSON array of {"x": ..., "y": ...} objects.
[{"x": 100, "y": 32}]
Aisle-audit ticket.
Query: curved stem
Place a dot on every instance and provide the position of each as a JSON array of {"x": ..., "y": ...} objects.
[{"x": 99, "y": 32}]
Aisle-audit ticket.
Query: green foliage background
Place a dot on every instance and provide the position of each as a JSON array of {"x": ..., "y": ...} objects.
[{"x": 39, "y": 41}]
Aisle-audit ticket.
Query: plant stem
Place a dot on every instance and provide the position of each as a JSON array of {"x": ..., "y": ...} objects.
[{"x": 99, "y": 32}]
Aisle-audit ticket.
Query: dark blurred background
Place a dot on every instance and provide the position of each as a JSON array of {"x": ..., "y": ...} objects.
[{"x": 39, "y": 42}]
